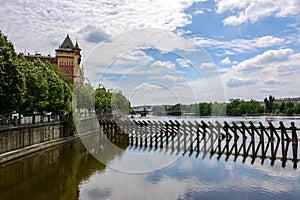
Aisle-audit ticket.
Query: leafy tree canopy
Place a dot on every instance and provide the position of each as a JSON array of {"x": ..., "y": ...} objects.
[{"x": 30, "y": 86}]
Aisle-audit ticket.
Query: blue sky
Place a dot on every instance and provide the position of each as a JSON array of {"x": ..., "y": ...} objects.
[{"x": 199, "y": 50}]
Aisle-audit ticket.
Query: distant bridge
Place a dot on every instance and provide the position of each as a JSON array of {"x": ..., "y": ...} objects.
[
  {"x": 142, "y": 110},
  {"x": 145, "y": 110}
]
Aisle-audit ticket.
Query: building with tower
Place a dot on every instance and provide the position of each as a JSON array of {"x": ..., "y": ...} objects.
[{"x": 67, "y": 57}]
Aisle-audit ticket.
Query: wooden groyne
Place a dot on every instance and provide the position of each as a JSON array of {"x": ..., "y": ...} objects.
[{"x": 236, "y": 140}]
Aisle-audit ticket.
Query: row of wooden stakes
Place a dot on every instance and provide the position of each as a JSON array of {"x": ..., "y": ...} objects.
[{"x": 237, "y": 140}]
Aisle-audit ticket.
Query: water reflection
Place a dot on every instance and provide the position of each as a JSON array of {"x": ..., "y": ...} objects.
[
  {"x": 51, "y": 174},
  {"x": 191, "y": 178}
]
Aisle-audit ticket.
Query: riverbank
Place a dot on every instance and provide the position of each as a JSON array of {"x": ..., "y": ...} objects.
[
  {"x": 12, "y": 155},
  {"x": 18, "y": 141}
]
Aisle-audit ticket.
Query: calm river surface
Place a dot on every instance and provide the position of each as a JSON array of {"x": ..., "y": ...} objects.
[{"x": 70, "y": 172}]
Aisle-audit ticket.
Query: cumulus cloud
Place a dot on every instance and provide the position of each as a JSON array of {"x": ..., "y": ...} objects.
[
  {"x": 271, "y": 72},
  {"x": 150, "y": 86},
  {"x": 251, "y": 11},
  {"x": 207, "y": 66},
  {"x": 183, "y": 62},
  {"x": 263, "y": 60},
  {"x": 89, "y": 21},
  {"x": 168, "y": 77},
  {"x": 238, "y": 46},
  {"x": 267, "y": 41},
  {"x": 226, "y": 61},
  {"x": 133, "y": 59},
  {"x": 93, "y": 33},
  {"x": 238, "y": 82},
  {"x": 160, "y": 65}
]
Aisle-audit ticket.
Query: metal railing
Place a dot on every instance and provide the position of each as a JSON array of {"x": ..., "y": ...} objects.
[{"x": 27, "y": 119}]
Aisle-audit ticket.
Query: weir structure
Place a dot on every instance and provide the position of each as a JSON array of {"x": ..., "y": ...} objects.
[{"x": 235, "y": 140}]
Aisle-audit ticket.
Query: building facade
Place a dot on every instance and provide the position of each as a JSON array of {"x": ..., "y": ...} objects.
[
  {"x": 67, "y": 57},
  {"x": 32, "y": 57}
]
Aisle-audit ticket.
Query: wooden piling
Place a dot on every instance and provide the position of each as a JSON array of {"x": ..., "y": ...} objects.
[
  {"x": 294, "y": 144},
  {"x": 230, "y": 139}
]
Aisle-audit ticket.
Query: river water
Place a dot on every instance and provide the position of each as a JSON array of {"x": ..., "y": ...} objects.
[{"x": 71, "y": 172}]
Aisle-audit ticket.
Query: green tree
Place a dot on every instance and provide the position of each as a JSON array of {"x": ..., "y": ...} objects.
[
  {"x": 297, "y": 108},
  {"x": 102, "y": 99},
  {"x": 238, "y": 107},
  {"x": 282, "y": 107},
  {"x": 205, "y": 109},
  {"x": 233, "y": 108},
  {"x": 84, "y": 95},
  {"x": 120, "y": 104},
  {"x": 255, "y": 108},
  {"x": 30, "y": 86},
  {"x": 174, "y": 109},
  {"x": 289, "y": 108},
  {"x": 59, "y": 89},
  {"x": 269, "y": 103},
  {"x": 12, "y": 80},
  {"x": 37, "y": 89}
]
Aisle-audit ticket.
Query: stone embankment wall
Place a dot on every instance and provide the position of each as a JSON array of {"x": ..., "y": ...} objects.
[
  {"x": 20, "y": 140},
  {"x": 16, "y": 141},
  {"x": 16, "y": 137}
]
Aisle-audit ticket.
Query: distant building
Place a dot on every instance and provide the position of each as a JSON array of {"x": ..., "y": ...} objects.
[
  {"x": 32, "y": 57},
  {"x": 67, "y": 57},
  {"x": 293, "y": 100}
]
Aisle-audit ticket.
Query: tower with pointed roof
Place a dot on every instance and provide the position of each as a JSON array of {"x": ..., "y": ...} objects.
[{"x": 68, "y": 59}]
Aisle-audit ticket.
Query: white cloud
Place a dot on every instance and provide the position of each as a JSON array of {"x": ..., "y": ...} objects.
[
  {"x": 271, "y": 72},
  {"x": 183, "y": 62},
  {"x": 248, "y": 10},
  {"x": 267, "y": 90},
  {"x": 238, "y": 46},
  {"x": 160, "y": 65},
  {"x": 226, "y": 61},
  {"x": 207, "y": 66},
  {"x": 263, "y": 60},
  {"x": 198, "y": 12},
  {"x": 267, "y": 41},
  {"x": 168, "y": 77},
  {"x": 133, "y": 59},
  {"x": 238, "y": 82},
  {"x": 89, "y": 21},
  {"x": 149, "y": 86}
]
